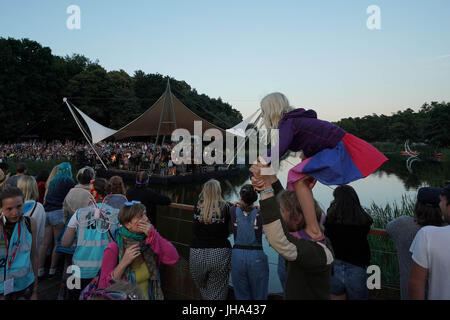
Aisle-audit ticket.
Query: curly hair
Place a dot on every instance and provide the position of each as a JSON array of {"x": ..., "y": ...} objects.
[
  {"x": 289, "y": 201},
  {"x": 426, "y": 215},
  {"x": 116, "y": 186}
]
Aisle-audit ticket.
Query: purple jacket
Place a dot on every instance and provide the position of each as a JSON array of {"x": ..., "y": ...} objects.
[{"x": 301, "y": 130}]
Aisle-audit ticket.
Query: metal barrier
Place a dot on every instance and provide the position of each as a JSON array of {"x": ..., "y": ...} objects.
[
  {"x": 383, "y": 253},
  {"x": 188, "y": 207}
]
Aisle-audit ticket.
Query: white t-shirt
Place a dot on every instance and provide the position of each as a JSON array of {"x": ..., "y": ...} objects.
[
  {"x": 430, "y": 250},
  {"x": 73, "y": 222},
  {"x": 39, "y": 217}
]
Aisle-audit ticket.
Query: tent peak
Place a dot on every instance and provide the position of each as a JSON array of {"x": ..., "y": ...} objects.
[{"x": 168, "y": 84}]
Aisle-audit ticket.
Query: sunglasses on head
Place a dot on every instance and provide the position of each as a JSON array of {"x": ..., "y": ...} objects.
[{"x": 129, "y": 204}]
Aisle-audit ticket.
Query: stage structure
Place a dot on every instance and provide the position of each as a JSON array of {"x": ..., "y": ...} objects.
[{"x": 161, "y": 119}]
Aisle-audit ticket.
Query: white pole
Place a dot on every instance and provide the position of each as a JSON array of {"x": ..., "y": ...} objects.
[
  {"x": 238, "y": 149},
  {"x": 84, "y": 134}
]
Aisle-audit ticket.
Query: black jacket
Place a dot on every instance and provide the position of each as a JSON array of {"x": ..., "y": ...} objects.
[{"x": 149, "y": 199}]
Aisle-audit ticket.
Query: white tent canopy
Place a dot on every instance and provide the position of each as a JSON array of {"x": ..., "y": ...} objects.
[
  {"x": 98, "y": 132},
  {"x": 239, "y": 129}
]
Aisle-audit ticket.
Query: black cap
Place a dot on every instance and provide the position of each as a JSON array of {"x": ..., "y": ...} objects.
[
  {"x": 429, "y": 196},
  {"x": 446, "y": 191}
]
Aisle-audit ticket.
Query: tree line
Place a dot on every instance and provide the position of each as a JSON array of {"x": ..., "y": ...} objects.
[
  {"x": 430, "y": 125},
  {"x": 33, "y": 82}
]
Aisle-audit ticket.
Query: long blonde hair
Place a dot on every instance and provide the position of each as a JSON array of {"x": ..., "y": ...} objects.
[
  {"x": 51, "y": 176},
  {"x": 273, "y": 106},
  {"x": 29, "y": 188},
  {"x": 210, "y": 201}
]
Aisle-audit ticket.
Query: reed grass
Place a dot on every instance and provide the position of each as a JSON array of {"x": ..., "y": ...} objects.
[{"x": 383, "y": 251}]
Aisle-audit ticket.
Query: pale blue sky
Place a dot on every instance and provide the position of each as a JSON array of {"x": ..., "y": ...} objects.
[{"x": 319, "y": 53}]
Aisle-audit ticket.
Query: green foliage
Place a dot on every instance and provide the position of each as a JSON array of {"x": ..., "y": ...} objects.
[
  {"x": 34, "y": 167},
  {"x": 431, "y": 124},
  {"x": 33, "y": 83},
  {"x": 383, "y": 251}
]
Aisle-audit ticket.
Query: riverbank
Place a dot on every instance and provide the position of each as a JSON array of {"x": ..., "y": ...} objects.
[{"x": 426, "y": 152}]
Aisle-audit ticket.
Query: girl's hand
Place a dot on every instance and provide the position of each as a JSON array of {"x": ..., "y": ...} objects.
[
  {"x": 131, "y": 253},
  {"x": 258, "y": 183},
  {"x": 264, "y": 176},
  {"x": 144, "y": 227}
]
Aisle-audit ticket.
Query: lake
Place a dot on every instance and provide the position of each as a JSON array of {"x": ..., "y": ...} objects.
[{"x": 389, "y": 184}]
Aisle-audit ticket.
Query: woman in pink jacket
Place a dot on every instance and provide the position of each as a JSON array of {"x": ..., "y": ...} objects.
[{"x": 137, "y": 253}]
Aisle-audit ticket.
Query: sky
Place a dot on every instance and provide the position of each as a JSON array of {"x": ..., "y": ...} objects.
[{"x": 320, "y": 54}]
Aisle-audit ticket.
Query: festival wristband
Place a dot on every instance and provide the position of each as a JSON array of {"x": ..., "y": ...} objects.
[{"x": 266, "y": 191}]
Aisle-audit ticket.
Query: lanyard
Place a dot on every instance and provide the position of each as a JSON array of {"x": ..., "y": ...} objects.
[{"x": 7, "y": 247}]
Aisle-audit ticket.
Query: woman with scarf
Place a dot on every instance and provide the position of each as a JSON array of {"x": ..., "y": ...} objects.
[{"x": 137, "y": 253}]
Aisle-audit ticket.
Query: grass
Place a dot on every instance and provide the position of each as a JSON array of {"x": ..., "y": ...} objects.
[
  {"x": 384, "y": 253},
  {"x": 35, "y": 166}
]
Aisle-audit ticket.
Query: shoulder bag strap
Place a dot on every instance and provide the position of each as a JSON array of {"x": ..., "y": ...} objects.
[{"x": 34, "y": 208}]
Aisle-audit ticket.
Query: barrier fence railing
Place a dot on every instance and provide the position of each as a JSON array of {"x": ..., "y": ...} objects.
[
  {"x": 383, "y": 252},
  {"x": 373, "y": 231}
]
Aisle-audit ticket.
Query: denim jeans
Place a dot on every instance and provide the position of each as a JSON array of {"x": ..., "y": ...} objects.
[
  {"x": 54, "y": 218},
  {"x": 250, "y": 274},
  {"x": 350, "y": 280}
]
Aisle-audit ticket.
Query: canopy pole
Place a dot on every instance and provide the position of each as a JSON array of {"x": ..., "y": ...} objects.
[
  {"x": 173, "y": 119},
  {"x": 245, "y": 141},
  {"x": 161, "y": 118},
  {"x": 84, "y": 134},
  {"x": 171, "y": 112}
]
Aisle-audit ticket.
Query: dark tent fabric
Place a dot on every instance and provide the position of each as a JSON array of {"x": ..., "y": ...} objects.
[{"x": 147, "y": 124}]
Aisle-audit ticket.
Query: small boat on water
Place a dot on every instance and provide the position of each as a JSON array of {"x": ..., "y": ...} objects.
[{"x": 409, "y": 153}]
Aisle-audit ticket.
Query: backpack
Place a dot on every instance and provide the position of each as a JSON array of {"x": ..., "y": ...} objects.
[{"x": 120, "y": 290}]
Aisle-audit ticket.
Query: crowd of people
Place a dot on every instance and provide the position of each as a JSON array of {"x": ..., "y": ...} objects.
[
  {"x": 91, "y": 225},
  {"x": 108, "y": 235},
  {"x": 133, "y": 156},
  {"x": 331, "y": 266}
]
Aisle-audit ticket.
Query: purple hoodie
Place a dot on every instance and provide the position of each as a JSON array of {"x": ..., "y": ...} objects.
[{"x": 301, "y": 130}]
